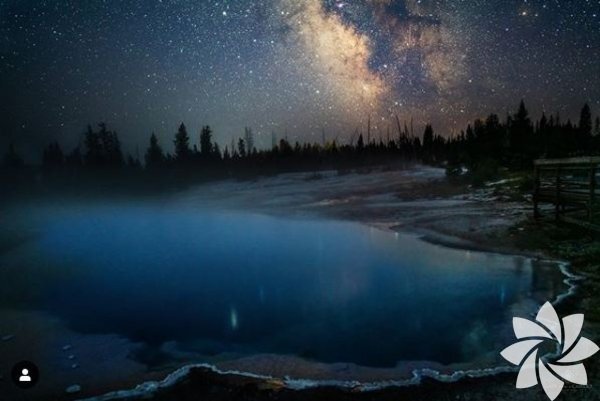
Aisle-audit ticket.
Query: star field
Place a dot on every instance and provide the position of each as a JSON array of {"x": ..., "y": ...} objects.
[{"x": 290, "y": 67}]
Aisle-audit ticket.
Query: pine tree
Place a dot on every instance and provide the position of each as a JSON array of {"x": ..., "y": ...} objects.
[
  {"x": 241, "y": 148},
  {"x": 360, "y": 145},
  {"x": 522, "y": 141},
  {"x": 216, "y": 152},
  {"x": 111, "y": 146},
  {"x": 428, "y": 144},
  {"x": 182, "y": 144},
  {"x": 206, "y": 145},
  {"x": 155, "y": 156},
  {"x": 495, "y": 138},
  {"x": 585, "y": 120},
  {"x": 249, "y": 140},
  {"x": 584, "y": 135},
  {"x": 94, "y": 154}
]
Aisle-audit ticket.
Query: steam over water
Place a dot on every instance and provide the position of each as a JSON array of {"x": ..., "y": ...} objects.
[{"x": 216, "y": 281}]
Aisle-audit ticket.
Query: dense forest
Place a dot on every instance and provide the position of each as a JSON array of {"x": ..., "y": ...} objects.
[{"x": 479, "y": 151}]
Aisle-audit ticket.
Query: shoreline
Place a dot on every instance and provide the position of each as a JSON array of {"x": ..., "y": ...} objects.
[
  {"x": 382, "y": 219},
  {"x": 150, "y": 388}
]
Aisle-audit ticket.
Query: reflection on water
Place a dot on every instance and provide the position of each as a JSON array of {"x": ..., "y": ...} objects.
[{"x": 236, "y": 282}]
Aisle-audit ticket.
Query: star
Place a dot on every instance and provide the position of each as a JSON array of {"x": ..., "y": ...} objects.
[{"x": 146, "y": 65}]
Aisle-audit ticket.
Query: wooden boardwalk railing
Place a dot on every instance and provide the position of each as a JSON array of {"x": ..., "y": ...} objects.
[{"x": 570, "y": 186}]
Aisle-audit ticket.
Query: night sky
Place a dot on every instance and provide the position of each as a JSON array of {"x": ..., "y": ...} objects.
[{"x": 293, "y": 67}]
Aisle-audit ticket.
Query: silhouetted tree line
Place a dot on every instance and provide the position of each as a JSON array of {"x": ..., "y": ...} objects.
[
  {"x": 101, "y": 152},
  {"x": 517, "y": 141},
  {"x": 483, "y": 147}
]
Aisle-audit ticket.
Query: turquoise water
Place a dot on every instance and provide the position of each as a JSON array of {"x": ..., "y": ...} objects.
[{"x": 242, "y": 283}]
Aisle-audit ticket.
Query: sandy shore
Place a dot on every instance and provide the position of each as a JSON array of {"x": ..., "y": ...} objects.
[{"x": 419, "y": 201}]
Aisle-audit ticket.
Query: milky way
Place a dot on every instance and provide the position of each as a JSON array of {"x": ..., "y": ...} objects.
[{"x": 289, "y": 67}]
